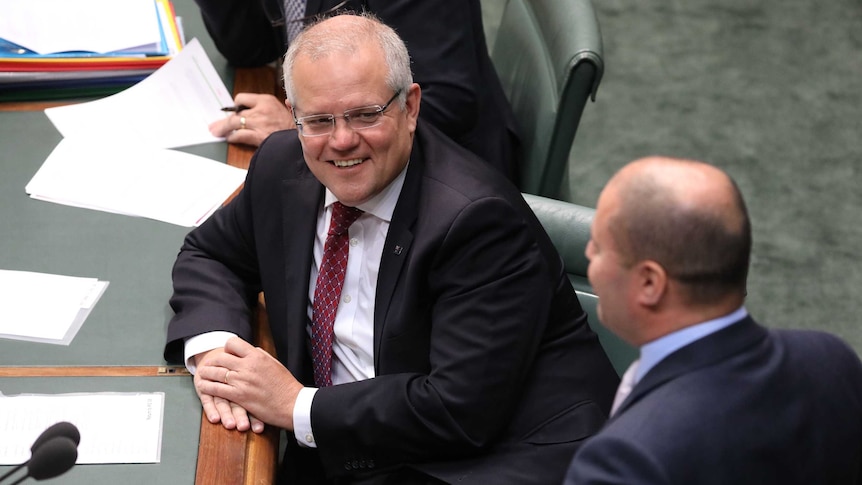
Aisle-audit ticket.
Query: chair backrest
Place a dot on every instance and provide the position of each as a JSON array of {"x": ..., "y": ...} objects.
[
  {"x": 548, "y": 55},
  {"x": 568, "y": 226}
]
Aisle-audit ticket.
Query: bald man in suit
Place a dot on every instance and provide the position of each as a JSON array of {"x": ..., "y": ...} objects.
[{"x": 714, "y": 398}]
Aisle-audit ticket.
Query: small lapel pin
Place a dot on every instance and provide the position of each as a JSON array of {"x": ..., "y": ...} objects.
[{"x": 398, "y": 250}]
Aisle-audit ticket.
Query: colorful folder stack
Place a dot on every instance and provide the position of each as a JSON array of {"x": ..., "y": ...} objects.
[{"x": 64, "y": 61}]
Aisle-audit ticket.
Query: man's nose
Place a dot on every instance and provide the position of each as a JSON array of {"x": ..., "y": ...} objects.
[{"x": 342, "y": 134}]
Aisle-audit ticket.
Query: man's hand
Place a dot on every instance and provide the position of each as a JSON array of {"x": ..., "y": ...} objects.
[
  {"x": 217, "y": 409},
  {"x": 242, "y": 379},
  {"x": 265, "y": 114}
]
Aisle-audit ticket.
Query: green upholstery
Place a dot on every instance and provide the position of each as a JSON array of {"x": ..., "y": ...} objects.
[
  {"x": 568, "y": 226},
  {"x": 548, "y": 54}
]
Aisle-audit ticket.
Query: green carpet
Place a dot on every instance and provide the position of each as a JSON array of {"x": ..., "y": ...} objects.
[{"x": 770, "y": 91}]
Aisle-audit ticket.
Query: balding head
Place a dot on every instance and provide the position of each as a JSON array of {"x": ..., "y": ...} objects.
[{"x": 687, "y": 216}]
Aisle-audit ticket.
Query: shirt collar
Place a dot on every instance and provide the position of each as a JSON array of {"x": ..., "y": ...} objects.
[
  {"x": 655, "y": 351},
  {"x": 381, "y": 205}
]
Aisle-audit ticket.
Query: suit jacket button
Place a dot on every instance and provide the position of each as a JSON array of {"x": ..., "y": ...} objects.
[
  {"x": 355, "y": 464},
  {"x": 361, "y": 463},
  {"x": 347, "y": 466},
  {"x": 370, "y": 463}
]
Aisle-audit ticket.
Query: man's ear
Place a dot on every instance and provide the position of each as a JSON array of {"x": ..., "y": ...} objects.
[
  {"x": 651, "y": 279},
  {"x": 414, "y": 96}
]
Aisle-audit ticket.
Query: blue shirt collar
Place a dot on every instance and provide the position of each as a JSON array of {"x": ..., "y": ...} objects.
[{"x": 655, "y": 351}]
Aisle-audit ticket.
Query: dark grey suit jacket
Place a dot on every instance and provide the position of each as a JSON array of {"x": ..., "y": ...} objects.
[
  {"x": 487, "y": 371},
  {"x": 745, "y": 405},
  {"x": 461, "y": 93}
]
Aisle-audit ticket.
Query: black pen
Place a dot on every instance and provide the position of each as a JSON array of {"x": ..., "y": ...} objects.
[{"x": 235, "y": 108}]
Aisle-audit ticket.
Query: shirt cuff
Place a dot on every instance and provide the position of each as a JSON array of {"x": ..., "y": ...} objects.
[
  {"x": 302, "y": 418},
  {"x": 202, "y": 343}
]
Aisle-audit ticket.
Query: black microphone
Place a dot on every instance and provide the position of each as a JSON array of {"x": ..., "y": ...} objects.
[
  {"x": 61, "y": 429},
  {"x": 52, "y": 458}
]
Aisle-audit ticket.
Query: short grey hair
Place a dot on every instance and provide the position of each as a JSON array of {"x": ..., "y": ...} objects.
[{"x": 316, "y": 41}]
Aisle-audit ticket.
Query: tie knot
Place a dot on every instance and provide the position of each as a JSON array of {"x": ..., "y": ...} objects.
[{"x": 342, "y": 217}]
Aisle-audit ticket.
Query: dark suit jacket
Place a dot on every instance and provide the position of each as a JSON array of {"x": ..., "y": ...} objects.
[
  {"x": 745, "y": 405},
  {"x": 487, "y": 371},
  {"x": 461, "y": 93}
]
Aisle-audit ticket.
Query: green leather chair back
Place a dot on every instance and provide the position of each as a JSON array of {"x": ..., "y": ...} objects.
[
  {"x": 568, "y": 226},
  {"x": 548, "y": 54}
]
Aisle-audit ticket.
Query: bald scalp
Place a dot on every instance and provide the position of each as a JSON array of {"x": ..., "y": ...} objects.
[{"x": 690, "y": 218}]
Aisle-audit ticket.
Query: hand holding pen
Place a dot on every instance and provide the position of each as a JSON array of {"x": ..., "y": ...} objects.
[{"x": 252, "y": 118}]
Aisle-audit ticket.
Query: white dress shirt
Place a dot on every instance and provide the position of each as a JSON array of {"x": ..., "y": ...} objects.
[{"x": 353, "y": 343}]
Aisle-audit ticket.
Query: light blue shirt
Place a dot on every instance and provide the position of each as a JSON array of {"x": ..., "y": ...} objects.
[{"x": 655, "y": 351}]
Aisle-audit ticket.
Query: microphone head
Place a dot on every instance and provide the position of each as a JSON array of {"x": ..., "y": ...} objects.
[
  {"x": 62, "y": 428},
  {"x": 52, "y": 458}
]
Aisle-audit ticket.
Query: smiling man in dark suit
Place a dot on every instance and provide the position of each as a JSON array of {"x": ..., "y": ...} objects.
[
  {"x": 461, "y": 93},
  {"x": 715, "y": 398},
  {"x": 457, "y": 350}
]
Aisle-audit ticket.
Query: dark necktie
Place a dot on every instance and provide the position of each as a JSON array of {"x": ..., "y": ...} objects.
[
  {"x": 327, "y": 293},
  {"x": 294, "y": 12}
]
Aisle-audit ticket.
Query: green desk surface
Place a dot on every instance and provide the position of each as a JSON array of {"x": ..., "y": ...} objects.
[
  {"x": 127, "y": 326},
  {"x": 180, "y": 432}
]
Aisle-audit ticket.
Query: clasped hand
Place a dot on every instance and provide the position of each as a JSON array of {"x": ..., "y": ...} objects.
[
  {"x": 244, "y": 387},
  {"x": 265, "y": 114}
]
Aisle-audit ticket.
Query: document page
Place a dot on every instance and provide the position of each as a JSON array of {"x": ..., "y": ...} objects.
[
  {"x": 45, "y": 308},
  {"x": 51, "y": 26},
  {"x": 165, "y": 185},
  {"x": 171, "y": 108},
  {"x": 114, "y": 427}
]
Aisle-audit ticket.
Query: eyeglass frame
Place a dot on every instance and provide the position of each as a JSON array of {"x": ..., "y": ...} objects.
[{"x": 345, "y": 115}]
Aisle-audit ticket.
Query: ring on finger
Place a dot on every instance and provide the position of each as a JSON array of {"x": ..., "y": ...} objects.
[
  {"x": 242, "y": 122},
  {"x": 226, "y": 374}
]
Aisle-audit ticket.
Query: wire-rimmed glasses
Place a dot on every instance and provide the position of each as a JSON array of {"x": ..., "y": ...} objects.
[{"x": 356, "y": 119}]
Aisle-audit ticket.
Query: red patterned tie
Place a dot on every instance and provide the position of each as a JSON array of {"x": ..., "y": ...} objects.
[{"x": 327, "y": 293}]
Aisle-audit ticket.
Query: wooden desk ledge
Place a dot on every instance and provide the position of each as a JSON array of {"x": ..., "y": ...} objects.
[{"x": 94, "y": 371}]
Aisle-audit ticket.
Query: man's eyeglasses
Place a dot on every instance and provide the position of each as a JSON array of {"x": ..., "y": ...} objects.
[{"x": 356, "y": 119}]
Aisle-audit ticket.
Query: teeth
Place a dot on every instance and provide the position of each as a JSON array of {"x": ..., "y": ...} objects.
[{"x": 347, "y": 163}]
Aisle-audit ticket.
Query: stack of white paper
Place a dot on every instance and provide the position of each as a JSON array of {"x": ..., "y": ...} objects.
[
  {"x": 173, "y": 107},
  {"x": 156, "y": 183},
  {"x": 49, "y": 26},
  {"x": 45, "y": 308},
  {"x": 114, "y": 427},
  {"x": 114, "y": 156}
]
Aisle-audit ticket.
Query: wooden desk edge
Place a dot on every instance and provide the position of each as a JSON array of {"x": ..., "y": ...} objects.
[
  {"x": 227, "y": 456},
  {"x": 94, "y": 371}
]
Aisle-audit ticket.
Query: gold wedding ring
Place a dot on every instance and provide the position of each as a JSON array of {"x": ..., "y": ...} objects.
[{"x": 242, "y": 122}]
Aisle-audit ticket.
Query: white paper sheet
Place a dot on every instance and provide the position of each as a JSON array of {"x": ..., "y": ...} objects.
[
  {"x": 114, "y": 427},
  {"x": 46, "y": 308},
  {"x": 50, "y": 26},
  {"x": 160, "y": 184},
  {"x": 171, "y": 108}
]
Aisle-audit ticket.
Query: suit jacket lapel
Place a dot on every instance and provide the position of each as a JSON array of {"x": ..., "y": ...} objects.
[
  {"x": 399, "y": 239},
  {"x": 700, "y": 353}
]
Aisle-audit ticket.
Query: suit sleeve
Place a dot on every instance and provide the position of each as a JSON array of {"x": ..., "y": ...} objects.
[
  {"x": 215, "y": 277},
  {"x": 490, "y": 297},
  {"x": 242, "y": 32},
  {"x": 611, "y": 460},
  {"x": 440, "y": 36}
]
